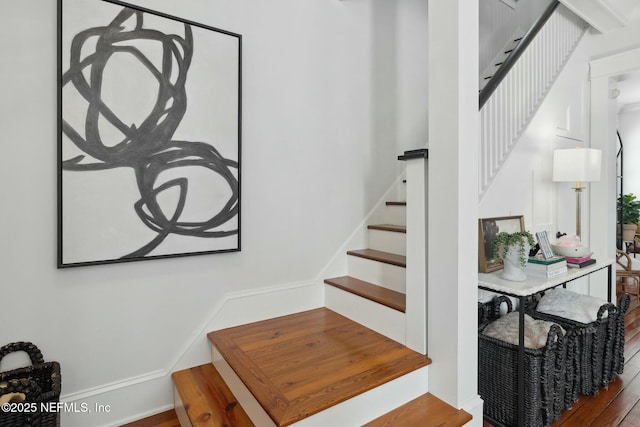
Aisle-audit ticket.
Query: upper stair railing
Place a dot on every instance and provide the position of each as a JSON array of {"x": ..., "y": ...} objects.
[
  {"x": 510, "y": 99},
  {"x": 510, "y": 61}
]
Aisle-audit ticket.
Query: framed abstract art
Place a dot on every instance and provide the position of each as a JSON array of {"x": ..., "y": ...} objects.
[{"x": 149, "y": 114}]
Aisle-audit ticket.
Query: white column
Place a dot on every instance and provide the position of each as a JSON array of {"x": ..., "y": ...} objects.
[{"x": 453, "y": 200}]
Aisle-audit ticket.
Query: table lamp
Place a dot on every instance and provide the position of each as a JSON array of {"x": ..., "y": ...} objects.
[{"x": 577, "y": 165}]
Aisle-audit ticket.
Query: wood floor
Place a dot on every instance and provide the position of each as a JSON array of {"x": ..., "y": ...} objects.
[
  {"x": 619, "y": 404},
  {"x": 164, "y": 419}
]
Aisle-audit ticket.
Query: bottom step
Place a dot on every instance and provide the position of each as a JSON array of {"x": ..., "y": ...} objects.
[
  {"x": 317, "y": 368},
  {"x": 426, "y": 410},
  {"x": 210, "y": 403}
]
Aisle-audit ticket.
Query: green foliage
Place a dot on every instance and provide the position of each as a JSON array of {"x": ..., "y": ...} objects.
[
  {"x": 505, "y": 240},
  {"x": 630, "y": 208}
]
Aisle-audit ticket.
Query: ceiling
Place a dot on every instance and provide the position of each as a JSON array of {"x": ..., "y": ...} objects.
[{"x": 605, "y": 15}]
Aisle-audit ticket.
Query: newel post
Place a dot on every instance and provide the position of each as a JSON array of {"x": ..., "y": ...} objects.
[{"x": 416, "y": 270}]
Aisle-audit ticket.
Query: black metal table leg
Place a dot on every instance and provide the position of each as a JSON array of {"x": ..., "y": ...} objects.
[
  {"x": 521, "y": 397},
  {"x": 609, "y": 273}
]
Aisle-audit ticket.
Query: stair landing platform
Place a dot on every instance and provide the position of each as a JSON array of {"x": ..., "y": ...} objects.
[{"x": 299, "y": 365}]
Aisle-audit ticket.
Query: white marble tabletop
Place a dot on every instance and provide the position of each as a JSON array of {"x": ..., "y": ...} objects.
[{"x": 532, "y": 285}]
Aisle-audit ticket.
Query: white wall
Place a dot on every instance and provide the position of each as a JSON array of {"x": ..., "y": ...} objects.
[
  {"x": 629, "y": 128},
  {"x": 332, "y": 92}
]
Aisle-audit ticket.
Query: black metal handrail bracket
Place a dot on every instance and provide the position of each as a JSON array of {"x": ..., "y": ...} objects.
[{"x": 420, "y": 153}]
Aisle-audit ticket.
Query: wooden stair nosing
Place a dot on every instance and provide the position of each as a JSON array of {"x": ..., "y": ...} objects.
[
  {"x": 381, "y": 295},
  {"x": 389, "y": 227},
  {"x": 207, "y": 399},
  {"x": 426, "y": 410},
  {"x": 299, "y": 365},
  {"x": 380, "y": 256}
]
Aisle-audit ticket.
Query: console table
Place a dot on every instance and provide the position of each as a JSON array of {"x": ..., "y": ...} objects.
[{"x": 531, "y": 286}]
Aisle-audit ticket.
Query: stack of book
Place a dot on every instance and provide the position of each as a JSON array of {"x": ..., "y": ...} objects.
[
  {"x": 580, "y": 262},
  {"x": 547, "y": 268}
]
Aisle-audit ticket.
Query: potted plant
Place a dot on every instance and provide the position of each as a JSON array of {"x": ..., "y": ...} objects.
[
  {"x": 514, "y": 248},
  {"x": 629, "y": 212}
]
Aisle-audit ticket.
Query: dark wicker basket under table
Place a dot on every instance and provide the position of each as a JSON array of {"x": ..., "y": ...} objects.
[
  {"x": 498, "y": 375},
  {"x": 596, "y": 349},
  {"x": 40, "y": 382}
]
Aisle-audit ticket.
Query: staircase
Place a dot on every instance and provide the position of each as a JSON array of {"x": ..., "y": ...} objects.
[
  {"x": 314, "y": 368},
  {"x": 511, "y": 97},
  {"x": 344, "y": 364},
  {"x": 374, "y": 291}
]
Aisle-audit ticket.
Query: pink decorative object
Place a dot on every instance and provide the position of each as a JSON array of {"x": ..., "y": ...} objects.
[{"x": 570, "y": 246}]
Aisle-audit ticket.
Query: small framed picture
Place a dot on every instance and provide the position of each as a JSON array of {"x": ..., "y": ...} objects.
[
  {"x": 545, "y": 246},
  {"x": 488, "y": 229}
]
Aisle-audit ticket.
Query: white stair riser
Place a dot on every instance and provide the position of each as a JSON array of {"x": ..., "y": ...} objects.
[
  {"x": 382, "y": 319},
  {"x": 395, "y": 214},
  {"x": 372, "y": 404},
  {"x": 388, "y": 241},
  {"x": 246, "y": 399},
  {"x": 378, "y": 273},
  {"x": 356, "y": 411},
  {"x": 181, "y": 411}
]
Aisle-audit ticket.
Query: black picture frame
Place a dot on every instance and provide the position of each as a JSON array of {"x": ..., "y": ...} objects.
[
  {"x": 488, "y": 229},
  {"x": 149, "y": 135}
]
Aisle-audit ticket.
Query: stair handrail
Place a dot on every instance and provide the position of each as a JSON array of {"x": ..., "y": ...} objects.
[{"x": 506, "y": 66}]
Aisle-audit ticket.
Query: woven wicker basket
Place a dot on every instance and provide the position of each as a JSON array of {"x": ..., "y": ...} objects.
[
  {"x": 498, "y": 372},
  {"x": 45, "y": 375},
  {"x": 596, "y": 349}
]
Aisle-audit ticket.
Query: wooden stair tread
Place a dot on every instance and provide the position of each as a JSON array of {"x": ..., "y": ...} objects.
[
  {"x": 389, "y": 227},
  {"x": 396, "y": 203},
  {"x": 301, "y": 364},
  {"x": 379, "y": 294},
  {"x": 207, "y": 398},
  {"x": 425, "y": 410},
  {"x": 375, "y": 255}
]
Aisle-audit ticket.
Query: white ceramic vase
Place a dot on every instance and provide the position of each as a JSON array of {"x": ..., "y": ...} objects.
[{"x": 512, "y": 269}]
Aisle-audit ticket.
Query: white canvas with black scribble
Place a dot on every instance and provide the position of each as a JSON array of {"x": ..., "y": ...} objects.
[{"x": 149, "y": 135}]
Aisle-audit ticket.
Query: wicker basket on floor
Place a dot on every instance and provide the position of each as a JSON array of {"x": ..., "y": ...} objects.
[
  {"x": 46, "y": 375},
  {"x": 544, "y": 377},
  {"x": 21, "y": 411},
  {"x": 596, "y": 348}
]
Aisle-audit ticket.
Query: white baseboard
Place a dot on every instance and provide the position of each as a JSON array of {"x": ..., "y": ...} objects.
[{"x": 114, "y": 406}]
